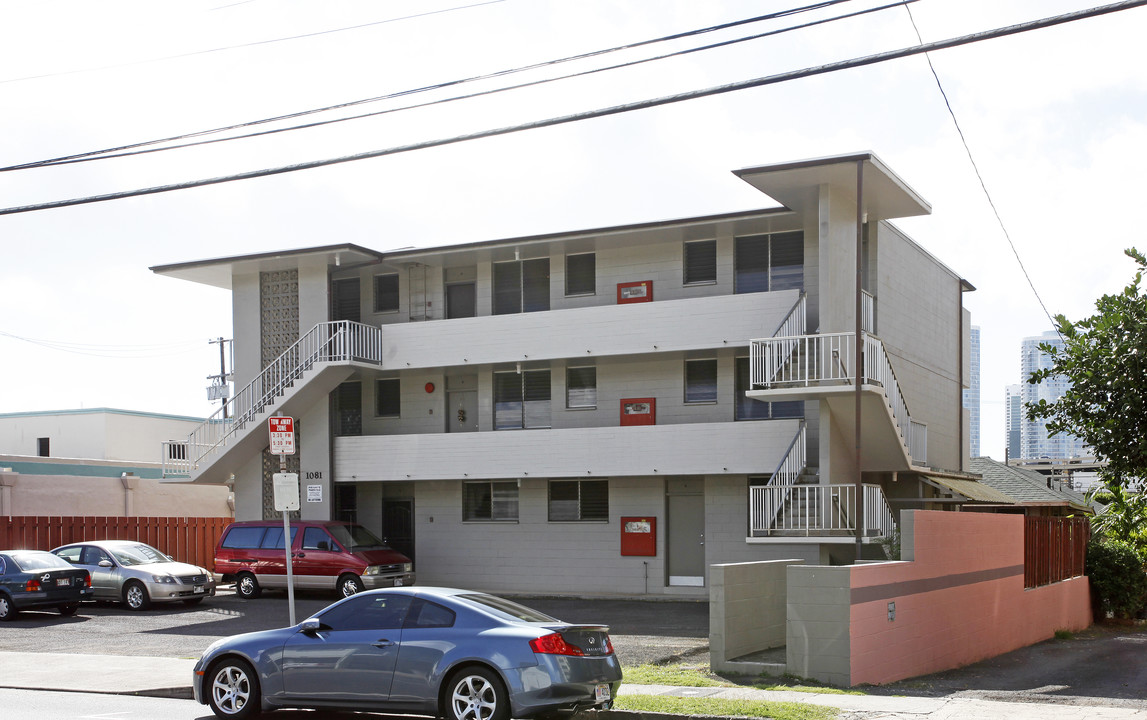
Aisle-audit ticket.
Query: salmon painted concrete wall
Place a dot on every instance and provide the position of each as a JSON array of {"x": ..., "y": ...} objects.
[{"x": 959, "y": 597}]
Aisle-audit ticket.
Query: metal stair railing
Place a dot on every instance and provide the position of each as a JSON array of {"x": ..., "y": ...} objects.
[
  {"x": 792, "y": 327},
  {"x": 766, "y": 507},
  {"x": 825, "y": 508},
  {"x": 338, "y": 341}
]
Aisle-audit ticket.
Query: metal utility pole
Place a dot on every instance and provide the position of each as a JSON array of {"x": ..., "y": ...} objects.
[
  {"x": 219, "y": 390},
  {"x": 859, "y": 360}
]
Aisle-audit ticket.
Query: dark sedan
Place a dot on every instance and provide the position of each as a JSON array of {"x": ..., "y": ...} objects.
[
  {"x": 452, "y": 653},
  {"x": 33, "y": 579}
]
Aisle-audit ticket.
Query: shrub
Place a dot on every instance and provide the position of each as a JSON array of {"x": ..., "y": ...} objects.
[{"x": 1118, "y": 583}]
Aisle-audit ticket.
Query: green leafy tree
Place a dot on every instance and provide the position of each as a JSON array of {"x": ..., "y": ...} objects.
[{"x": 1105, "y": 358}]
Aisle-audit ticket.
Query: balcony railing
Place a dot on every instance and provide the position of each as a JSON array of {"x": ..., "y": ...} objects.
[
  {"x": 328, "y": 342},
  {"x": 867, "y": 312},
  {"x": 827, "y": 360},
  {"x": 817, "y": 510}
]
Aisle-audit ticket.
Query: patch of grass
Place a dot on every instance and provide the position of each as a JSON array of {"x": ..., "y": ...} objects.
[
  {"x": 679, "y": 675},
  {"x": 730, "y": 708},
  {"x": 1063, "y": 634}
]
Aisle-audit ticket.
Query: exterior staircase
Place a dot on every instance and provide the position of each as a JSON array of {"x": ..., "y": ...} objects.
[{"x": 307, "y": 371}]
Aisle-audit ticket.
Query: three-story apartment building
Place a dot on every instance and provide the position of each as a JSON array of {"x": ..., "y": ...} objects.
[{"x": 608, "y": 410}]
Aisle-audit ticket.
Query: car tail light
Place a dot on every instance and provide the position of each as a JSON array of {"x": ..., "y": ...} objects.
[
  {"x": 87, "y": 579},
  {"x": 554, "y": 644},
  {"x": 32, "y": 586}
]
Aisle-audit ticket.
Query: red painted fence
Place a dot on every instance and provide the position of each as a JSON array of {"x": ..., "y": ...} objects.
[
  {"x": 190, "y": 540},
  {"x": 1055, "y": 549}
]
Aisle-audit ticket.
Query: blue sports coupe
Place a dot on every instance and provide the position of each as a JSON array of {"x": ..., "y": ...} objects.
[{"x": 445, "y": 652}]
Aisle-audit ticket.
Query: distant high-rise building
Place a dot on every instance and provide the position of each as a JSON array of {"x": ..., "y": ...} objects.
[
  {"x": 973, "y": 398},
  {"x": 1034, "y": 440},
  {"x": 1015, "y": 413}
]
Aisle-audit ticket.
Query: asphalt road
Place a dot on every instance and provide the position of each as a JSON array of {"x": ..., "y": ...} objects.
[{"x": 642, "y": 631}]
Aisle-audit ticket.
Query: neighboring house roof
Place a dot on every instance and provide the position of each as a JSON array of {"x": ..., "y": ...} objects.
[
  {"x": 974, "y": 491},
  {"x": 1027, "y": 487}
]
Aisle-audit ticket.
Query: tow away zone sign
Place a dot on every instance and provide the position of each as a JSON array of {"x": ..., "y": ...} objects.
[{"x": 282, "y": 435}]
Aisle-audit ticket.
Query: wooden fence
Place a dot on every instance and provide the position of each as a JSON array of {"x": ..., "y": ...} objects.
[
  {"x": 1055, "y": 549},
  {"x": 190, "y": 540}
]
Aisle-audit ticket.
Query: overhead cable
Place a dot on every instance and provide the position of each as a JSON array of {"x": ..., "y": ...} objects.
[
  {"x": 117, "y": 151},
  {"x": 979, "y": 176},
  {"x": 602, "y": 112},
  {"x": 250, "y": 44}
]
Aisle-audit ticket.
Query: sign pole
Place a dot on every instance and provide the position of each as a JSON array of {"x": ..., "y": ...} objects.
[
  {"x": 287, "y": 549},
  {"x": 286, "y": 487}
]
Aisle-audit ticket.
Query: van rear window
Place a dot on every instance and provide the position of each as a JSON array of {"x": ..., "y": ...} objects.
[{"x": 245, "y": 537}]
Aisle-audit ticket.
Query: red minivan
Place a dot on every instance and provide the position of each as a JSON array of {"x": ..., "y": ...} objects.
[{"x": 326, "y": 554}]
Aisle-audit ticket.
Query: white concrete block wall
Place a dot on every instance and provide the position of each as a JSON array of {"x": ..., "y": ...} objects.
[
  {"x": 919, "y": 314},
  {"x": 534, "y": 554}
]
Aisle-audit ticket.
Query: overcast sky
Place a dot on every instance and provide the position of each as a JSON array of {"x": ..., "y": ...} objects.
[{"x": 1055, "y": 120}]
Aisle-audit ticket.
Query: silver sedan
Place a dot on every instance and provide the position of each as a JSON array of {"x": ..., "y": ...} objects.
[
  {"x": 452, "y": 653},
  {"x": 137, "y": 574}
]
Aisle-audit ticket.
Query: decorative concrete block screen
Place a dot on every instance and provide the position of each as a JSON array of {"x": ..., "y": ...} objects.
[{"x": 956, "y": 598}]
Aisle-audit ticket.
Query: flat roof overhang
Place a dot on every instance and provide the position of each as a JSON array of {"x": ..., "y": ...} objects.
[
  {"x": 795, "y": 184},
  {"x": 219, "y": 271}
]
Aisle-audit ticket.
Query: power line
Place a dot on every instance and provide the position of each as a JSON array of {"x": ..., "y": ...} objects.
[
  {"x": 108, "y": 152},
  {"x": 602, "y": 112},
  {"x": 246, "y": 45},
  {"x": 979, "y": 176},
  {"x": 110, "y": 351}
]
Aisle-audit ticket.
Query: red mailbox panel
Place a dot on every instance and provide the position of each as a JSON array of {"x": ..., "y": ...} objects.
[
  {"x": 638, "y": 411},
  {"x": 639, "y": 536},
  {"x": 635, "y": 292}
]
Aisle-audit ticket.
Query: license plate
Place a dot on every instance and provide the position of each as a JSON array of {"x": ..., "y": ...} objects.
[
  {"x": 63, "y": 582},
  {"x": 602, "y": 693},
  {"x": 198, "y": 589}
]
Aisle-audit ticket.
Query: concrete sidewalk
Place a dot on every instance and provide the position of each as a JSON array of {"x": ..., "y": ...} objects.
[{"x": 171, "y": 677}]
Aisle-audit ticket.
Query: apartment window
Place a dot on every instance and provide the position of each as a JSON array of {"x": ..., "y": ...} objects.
[
  {"x": 749, "y": 409},
  {"x": 388, "y": 397},
  {"x": 579, "y": 501},
  {"x": 386, "y": 293},
  {"x": 490, "y": 501},
  {"x": 768, "y": 262},
  {"x": 521, "y": 286},
  {"x": 700, "y": 262},
  {"x": 581, "y": 274},
  {"x": 581, "y": 387},
  {"x": 700, "y": 381},
  {"x": 521, "y": 400},
  {"x": 348, "y": 409},
  {"x": 345, "y": 300}
]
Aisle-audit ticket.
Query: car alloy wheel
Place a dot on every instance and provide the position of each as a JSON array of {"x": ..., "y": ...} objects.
[
  {"x": 350, "y": 585},
  {"x": 247, "y": 587},
  {"x": 476, "y": 694},
  {"x": 135, "y": 596},
  {"x": 234, "y": 691}
]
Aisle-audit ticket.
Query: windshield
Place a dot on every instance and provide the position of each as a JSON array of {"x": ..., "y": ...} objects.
[
  {"x": 355, "y": 537},
  {"x": 140, "y": 554},
  {"x": 503, "y": 606},
  {"x": 33, "y": 562}
]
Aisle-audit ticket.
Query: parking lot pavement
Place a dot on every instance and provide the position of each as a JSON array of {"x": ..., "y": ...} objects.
[{"x": 642, "y": 631}]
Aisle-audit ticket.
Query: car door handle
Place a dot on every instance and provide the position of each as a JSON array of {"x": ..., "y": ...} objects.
[
  {"x": 299, "y": 555},
  {"x": 382, "y": 643}
]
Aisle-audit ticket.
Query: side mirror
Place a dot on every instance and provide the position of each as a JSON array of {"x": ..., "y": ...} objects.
[
  {"x": 311, "y": 626},
  {"x": 105, "y": 563}
]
